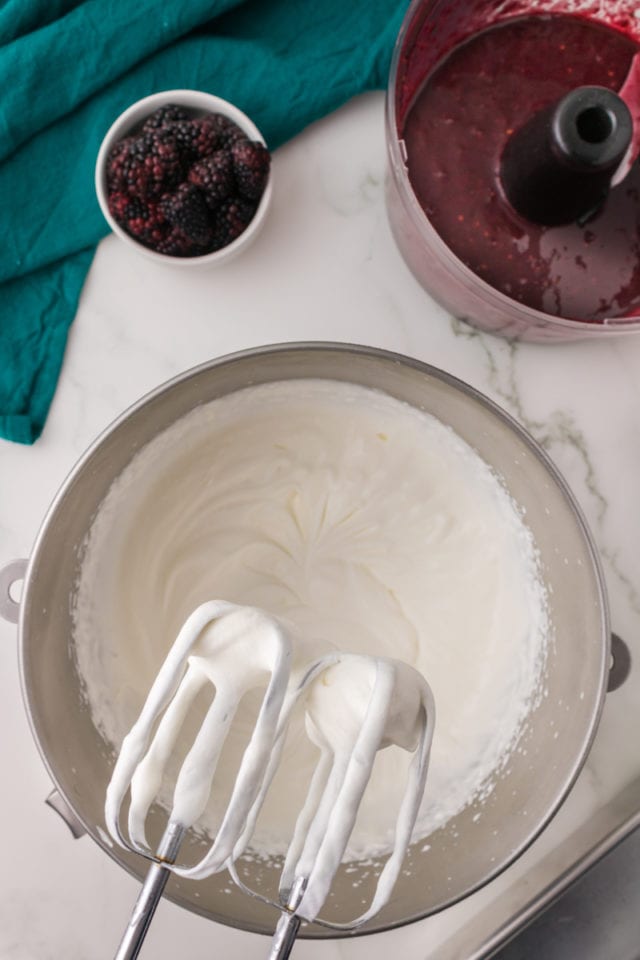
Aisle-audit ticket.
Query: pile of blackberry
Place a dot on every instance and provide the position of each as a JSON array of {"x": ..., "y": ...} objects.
[{"x": 185, "y": 185}]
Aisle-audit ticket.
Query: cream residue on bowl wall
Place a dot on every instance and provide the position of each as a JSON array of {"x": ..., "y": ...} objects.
[{"x": 364, "y": 524}]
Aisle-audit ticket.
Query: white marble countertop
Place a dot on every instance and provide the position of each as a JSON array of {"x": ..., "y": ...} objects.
[{"x": 325, "y": 267}]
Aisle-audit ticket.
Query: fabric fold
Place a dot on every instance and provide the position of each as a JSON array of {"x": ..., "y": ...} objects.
[{"x": 284, "y": 63}]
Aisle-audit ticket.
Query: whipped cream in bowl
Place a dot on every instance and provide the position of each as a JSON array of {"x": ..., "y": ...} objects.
[
  {"x": 366, "y": 525},
  {"x": 377, "y": 507}
]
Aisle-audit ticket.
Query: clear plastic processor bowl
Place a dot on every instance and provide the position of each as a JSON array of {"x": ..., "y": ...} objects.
[{"x": 430, "y": 29}]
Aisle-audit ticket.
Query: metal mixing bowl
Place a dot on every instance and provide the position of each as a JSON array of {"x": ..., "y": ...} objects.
[{"x": 469, "y": 850}]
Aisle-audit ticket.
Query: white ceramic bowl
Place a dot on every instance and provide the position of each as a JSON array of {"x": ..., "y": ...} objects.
[{"x": 198, "y": 103}]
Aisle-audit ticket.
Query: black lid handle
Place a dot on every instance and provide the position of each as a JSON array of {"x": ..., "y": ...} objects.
[{"x": 557, "y": 168}]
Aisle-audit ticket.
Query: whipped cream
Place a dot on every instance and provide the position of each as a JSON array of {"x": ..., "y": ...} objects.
[
  {"x": 355, "y": 705},
  {"x": 362, "y": 523},
  {"x": 227, "y": 651}
]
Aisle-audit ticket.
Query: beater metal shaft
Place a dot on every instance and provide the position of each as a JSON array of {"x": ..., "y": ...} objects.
[
  {"x": 150, "y": 894},
  {"x": 288, "y": 924}
]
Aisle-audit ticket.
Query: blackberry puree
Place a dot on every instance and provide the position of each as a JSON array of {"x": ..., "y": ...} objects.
[{"x": 455, "y": 131}]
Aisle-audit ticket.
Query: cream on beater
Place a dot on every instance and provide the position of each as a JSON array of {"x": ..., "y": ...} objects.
[
  {"x": 354, "y": 706},
  {"x": 365, "y": 525}
]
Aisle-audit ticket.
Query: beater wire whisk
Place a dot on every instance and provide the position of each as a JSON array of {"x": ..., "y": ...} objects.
[{"x": 354, "y": 706}]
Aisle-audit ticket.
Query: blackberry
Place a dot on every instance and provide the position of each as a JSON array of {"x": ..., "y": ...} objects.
[
  {"x": 170, "y": 113},
  {"x": 186, "y": 209},
  {"x": 251, "y": 165},
  {"x": 142, "y": 219},
  {"x": 201, "y": 136},
  {"x": 230, "y": 220},
  {"x": 145, "y": 220},
  {"x": 185, "y": 134},
  {"x": 176, "y": 243},
  {"x": 197, "y": 138},
  {"x": 205, "y": 140},
  {"x": 226, "y": 131},
  {"x": 118, "y": 203},
  {"x": 125, "y": 158},
  {"x": 145, "y": 166},
  {"x": 214, "y": 177},
  {"x": 166, "y": 150}
]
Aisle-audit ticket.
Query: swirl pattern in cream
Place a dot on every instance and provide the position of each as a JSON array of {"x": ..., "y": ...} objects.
[{"x": 365, "y": 525}]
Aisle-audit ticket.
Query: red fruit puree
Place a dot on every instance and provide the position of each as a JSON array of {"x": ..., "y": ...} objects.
[{"x": 455, "y": 132}]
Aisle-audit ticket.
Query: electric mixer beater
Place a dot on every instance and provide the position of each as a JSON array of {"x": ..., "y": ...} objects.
[{"x": 354, "y": 706}]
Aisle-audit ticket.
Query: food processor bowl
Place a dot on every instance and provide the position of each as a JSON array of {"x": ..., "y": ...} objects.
[{"x": 431, "y": 28}]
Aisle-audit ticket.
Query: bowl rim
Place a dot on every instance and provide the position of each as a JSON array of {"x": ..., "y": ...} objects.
[{"x": 195, "y": 100}]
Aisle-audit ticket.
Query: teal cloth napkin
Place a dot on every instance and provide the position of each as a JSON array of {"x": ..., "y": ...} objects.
[{"x": 68, "y": 68}]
